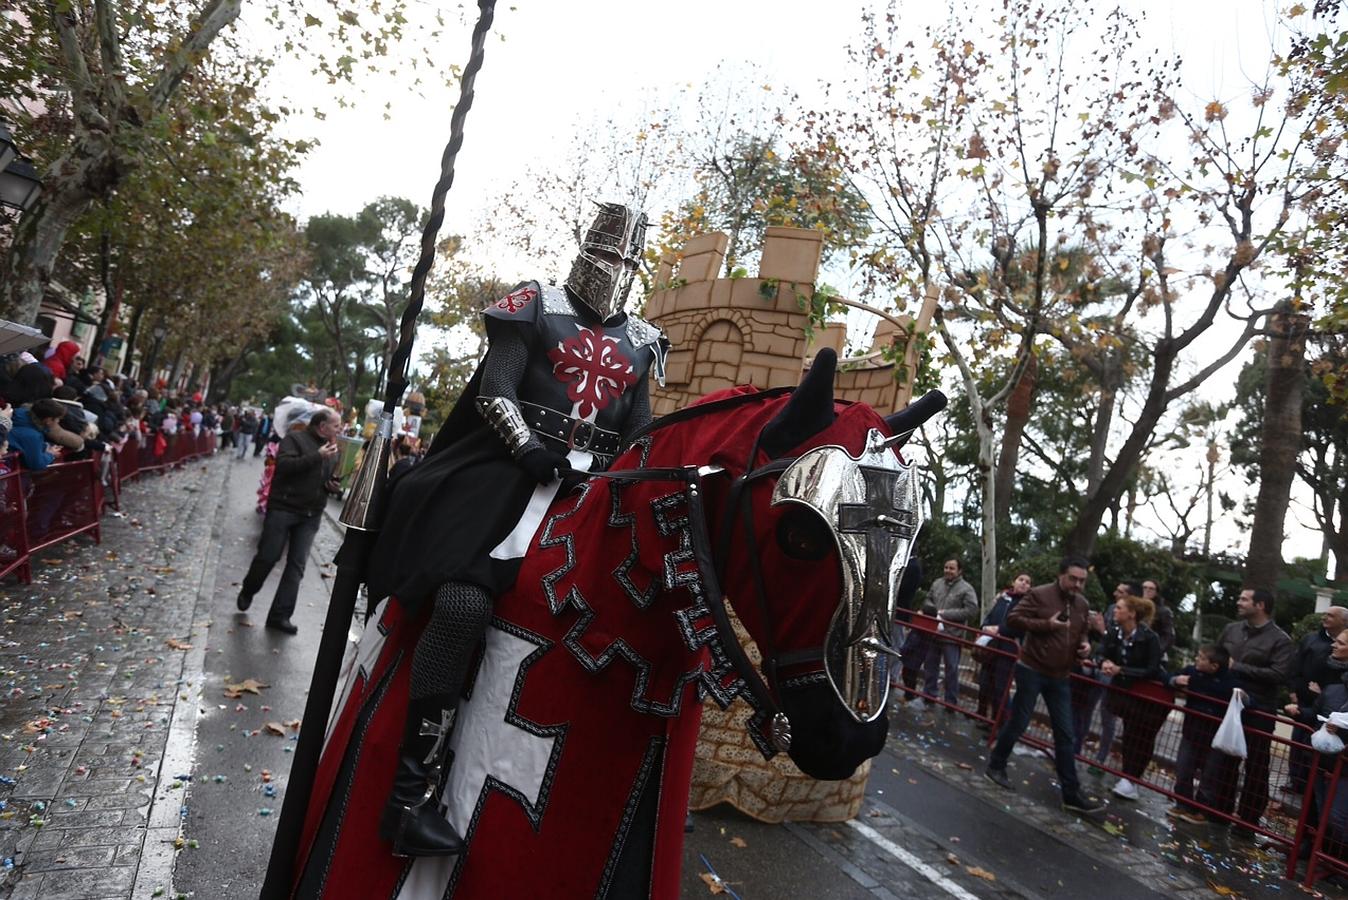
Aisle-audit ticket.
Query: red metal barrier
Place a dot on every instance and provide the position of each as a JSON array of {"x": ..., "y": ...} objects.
[
  {"x": 42, "y": 508},
  {"x": 1322, "y": 840},
  {"x": 62, "y": 502},
  {"x": 13, "y": 534}
]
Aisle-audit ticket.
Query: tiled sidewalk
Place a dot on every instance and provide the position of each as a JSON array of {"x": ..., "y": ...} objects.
[{"x": 94, "y": 655}]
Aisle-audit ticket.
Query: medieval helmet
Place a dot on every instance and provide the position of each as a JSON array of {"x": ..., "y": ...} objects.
[{"x": 609, "y": 255}]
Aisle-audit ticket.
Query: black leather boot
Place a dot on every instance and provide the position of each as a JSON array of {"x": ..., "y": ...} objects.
[{"x": 412, "y": 821}]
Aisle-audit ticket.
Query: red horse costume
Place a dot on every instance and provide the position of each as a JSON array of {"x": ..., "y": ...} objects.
[{"x": 574, "y": 741}]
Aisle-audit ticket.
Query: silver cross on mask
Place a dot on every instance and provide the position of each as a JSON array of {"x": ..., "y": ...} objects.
[{"x": 871, "y": 505}]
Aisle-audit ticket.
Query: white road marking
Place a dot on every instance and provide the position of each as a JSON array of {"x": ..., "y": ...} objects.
[{"x": 930, "y": 873}]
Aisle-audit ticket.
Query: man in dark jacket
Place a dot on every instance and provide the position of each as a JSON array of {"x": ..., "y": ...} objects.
[
  {"x": 1262, "y": 659},
  {"x": 1053, "y": 619},
  {"x": 299, "y": 490},
  {"x": 1312, "y": 668}
]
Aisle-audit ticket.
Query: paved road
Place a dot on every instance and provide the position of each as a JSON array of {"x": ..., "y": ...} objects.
[{"x": 240, "y": 771}]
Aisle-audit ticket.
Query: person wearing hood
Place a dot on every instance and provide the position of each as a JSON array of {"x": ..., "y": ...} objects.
[{"x": 59, "y": 358}]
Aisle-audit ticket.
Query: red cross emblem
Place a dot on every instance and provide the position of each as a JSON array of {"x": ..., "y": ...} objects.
[
  {"x": 592, "y": 368},
  {"x": 516, "y": 301}
]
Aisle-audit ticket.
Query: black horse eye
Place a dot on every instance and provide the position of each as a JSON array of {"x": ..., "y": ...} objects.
[{"x": 803, "y": 535}]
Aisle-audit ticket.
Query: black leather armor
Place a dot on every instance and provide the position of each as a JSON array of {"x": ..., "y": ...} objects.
[{"x": 582, "y": 378}]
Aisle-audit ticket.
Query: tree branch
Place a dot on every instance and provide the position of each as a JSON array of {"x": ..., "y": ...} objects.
[
  {"x": 213, "y": 17},
  {"x": 1230, "y": 354},
  {"x": 84, "y": 99}
]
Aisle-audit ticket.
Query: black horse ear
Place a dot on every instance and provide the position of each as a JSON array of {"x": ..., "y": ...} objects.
[
  {"x": 808, "y": 412},
  {"x": 911, "y": 417}
]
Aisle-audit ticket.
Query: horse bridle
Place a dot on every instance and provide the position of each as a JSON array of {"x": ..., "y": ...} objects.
[{"x": 764, "y": 695}]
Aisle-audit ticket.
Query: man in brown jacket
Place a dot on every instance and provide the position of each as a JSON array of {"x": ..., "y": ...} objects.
[{"x": 1053, "y": 620}]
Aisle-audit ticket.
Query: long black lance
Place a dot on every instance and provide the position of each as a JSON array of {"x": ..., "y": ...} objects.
[{"x": 363, "y": 509}]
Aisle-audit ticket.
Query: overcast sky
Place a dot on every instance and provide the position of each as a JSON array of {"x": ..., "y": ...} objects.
[{"x": 565, "y": 62}]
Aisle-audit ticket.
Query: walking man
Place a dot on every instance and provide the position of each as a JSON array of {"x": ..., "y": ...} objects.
[
  {"x": 299, "y": 490},
  {"x": 247, "y": 428},
  {"x": 955, "y": 601},
  {"x": 1053, "y": 619}
]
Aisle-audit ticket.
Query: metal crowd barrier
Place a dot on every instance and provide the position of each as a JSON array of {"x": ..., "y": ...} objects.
[
  {"x": 51, "y": 505},
  {"x": 1147, "y": 738}
]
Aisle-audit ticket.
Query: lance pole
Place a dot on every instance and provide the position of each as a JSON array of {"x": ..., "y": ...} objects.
[{"x": 362, "y": 511}]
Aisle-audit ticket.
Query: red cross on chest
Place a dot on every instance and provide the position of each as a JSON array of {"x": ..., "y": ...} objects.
[{"x": 593, "y": 368}]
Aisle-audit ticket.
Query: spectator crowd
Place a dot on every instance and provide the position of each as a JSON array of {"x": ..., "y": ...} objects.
[{"x": 1114, "y": 676}]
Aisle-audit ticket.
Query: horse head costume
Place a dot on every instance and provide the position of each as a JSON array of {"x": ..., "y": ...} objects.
[{"x": 574, "y": 743}]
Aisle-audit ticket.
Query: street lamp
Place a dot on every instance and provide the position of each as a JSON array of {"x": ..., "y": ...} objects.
[
  {"x": 7, "y": 149},
  {"x": 19, "y": 185}
]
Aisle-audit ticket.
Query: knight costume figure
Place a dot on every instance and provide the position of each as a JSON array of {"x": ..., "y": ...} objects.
[{"x": 563, "y": 387}]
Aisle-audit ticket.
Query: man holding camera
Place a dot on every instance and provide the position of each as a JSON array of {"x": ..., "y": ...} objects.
[
  {"x": 299, "y": 489},
  {"x": 1053, "y": 618}
]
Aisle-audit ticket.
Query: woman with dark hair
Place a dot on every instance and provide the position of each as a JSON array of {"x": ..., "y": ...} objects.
[{"x": 1131, "y": 656}]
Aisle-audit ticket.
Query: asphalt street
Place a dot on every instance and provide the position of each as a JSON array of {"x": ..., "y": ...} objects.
[{"x": 244, "y": 743}]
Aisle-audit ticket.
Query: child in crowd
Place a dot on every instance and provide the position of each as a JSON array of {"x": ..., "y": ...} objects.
[{"x": 1208, "y": 684}]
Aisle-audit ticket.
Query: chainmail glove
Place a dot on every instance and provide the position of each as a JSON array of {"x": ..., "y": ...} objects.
[{"x": 544, "y": 465}]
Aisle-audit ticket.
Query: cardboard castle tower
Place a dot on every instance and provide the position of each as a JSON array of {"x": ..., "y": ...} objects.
[{"x": 728, "y": 331}]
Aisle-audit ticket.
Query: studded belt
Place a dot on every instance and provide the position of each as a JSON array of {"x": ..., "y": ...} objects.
[{"x": 570, "y": 432}]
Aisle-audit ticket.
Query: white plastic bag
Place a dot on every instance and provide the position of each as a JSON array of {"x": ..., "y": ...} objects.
[
  {"x": 1325, "y": 742},
  {"x": 1230, "y": 736}
]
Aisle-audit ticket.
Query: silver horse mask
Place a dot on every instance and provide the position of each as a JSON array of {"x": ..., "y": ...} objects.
[{"x": 870, "y": 504}]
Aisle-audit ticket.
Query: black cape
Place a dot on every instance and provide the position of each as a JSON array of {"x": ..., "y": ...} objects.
[{"x": 447, "y": 513}]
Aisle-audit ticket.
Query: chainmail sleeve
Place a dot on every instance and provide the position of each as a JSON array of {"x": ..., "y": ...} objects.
[
  {"x": 498, "y": 397},
  {"x": 639, "y": 416}
]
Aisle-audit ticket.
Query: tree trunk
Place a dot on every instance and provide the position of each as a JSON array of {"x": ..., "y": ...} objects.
[
  {"x": 1081, "y": 539},
  {"x": 88, "y": 171},
  {"x": 223, "y": 380},
  {"x": 988, "y": 476},
  {"x": 1104, "y": 420},
  {"x": 1017, "y": 416},
  {"x": 1339, "y": 540},
  {"x": 132, "y": 335},
  {"x": 1282, "y": 441}
]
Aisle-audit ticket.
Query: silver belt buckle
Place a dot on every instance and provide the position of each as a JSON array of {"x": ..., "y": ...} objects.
[{"x": 574, "y": 442}]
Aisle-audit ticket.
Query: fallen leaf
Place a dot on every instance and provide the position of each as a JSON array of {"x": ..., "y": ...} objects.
[
  {"x": 175, "y": 644},
  {"x": 713, "y": 883},
  {"x": 293, "y": 724},
  {"x": 1222, "y": 890},
  {"x": 952, "y": 859},
  {"x": 738, "y": 842},
  {"x": 249, "y": 685},
  {"x": 275, "y": 728},
  {"x": 979, "y": 872}
]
